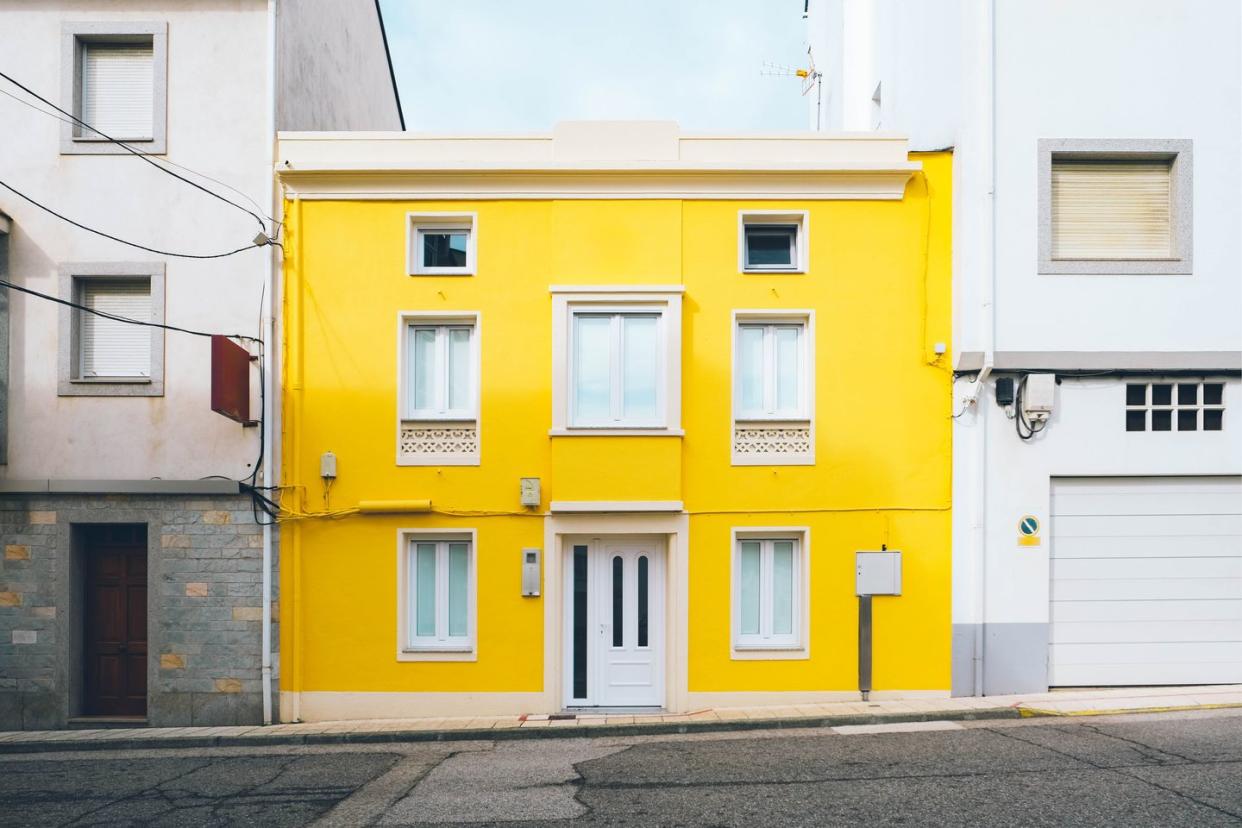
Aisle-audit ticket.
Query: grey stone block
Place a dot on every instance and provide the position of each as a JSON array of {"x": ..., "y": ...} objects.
[
  {"x": 170, "y": 710},
  {"x": 10, "y": 710},
  {"x": 215, "y": 709},
  {"x": 42, "y": 711}
]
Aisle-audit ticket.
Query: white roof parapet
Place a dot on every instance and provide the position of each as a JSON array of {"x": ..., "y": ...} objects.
[{"x": 595, "y": 159}]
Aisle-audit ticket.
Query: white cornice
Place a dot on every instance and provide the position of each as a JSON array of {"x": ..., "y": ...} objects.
[{"x": 621, "y": 159}]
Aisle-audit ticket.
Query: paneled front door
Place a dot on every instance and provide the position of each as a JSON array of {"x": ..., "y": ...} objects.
[
  {"x": 115, "y": 635},
  {"x": 616, "y": 623}
]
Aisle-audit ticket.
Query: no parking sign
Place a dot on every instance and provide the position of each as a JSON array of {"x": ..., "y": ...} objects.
[{"x": 1028, "y": 531}]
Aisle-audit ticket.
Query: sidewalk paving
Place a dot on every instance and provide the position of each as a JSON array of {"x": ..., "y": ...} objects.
[{"x": 1083, "y": 702}]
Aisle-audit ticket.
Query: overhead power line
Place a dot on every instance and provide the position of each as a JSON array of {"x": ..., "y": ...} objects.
[
  {"x": 137, "y": 153},
  {"x": 266, "y": 240},
  {"x": 161, "y": 160},
  {"x": 127, "y": 320}
]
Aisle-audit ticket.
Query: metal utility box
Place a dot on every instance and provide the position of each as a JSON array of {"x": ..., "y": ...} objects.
[
  {"x": 1039, "y": 394},
  {"x": 530, "y": 572},
  {"x": 877, "y": 573},
  {"x": 529, "y": 491}
]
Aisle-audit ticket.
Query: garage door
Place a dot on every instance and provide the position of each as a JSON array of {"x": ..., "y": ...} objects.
[{"x": 1146, "y": 581}]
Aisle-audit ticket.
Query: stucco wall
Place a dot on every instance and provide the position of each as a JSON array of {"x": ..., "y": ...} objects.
[
  {"x": 333, "y": 69},
  {"x": 222, "y": 135}
]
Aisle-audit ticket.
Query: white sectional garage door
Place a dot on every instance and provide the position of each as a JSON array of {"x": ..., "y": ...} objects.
[{"x": 1146, "y": 581}]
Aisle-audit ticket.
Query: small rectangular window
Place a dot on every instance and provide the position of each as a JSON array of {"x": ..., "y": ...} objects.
[
  {"x": 771, "y": 246},
  {"x": 617, "y": 369},
  {"x": 442, "y": 244},
  {"x": 116, "y": 90},
  {"x": 1182, "y": 406},
  {"x": 767, "y": 595},
  {"x": 440, "y": 379},
  {"x": 772, "y": 242},
  {"x": 444, "y": 248},
  {"x": 1112, "y": 209},
  {"x": 439, "y": 595},
  {"x": 107, "y": 348}
]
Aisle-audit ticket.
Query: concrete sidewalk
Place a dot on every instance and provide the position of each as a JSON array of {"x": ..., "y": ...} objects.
[{"x": 1086, "y": 702}]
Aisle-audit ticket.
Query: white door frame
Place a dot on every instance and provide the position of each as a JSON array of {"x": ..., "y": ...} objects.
[{"x": 559, "y": 532}]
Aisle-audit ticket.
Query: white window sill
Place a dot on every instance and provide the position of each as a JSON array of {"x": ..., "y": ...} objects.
[
  {"x": 586, "y": 431},
  {"x": 105, "y": 380},
  {"x": 437, "y": 654},
  {"x": 751, "y": 271},
  {"x": 769, "y": 653},
  {"x": 445, "y": 271},
  {"x": 438, "y": 460}
]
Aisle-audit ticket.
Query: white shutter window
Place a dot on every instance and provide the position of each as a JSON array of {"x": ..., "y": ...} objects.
[
  {"x": 1112, "y": 210},
  {"x": 109, "y": 348},
  {"x": 117, "y": 90}
]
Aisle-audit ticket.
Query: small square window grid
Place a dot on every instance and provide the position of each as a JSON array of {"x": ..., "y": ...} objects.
[{"x": 1175, "y": 406}]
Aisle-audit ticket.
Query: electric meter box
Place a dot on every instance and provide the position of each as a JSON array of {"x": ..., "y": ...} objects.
[
  {"x": 877, "y": 573},
  {"x": 1039, "y": 393},
  {"x": 530, "y": 573}
]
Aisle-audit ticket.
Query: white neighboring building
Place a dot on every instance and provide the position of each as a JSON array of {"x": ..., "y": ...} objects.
[
  {"x": 1097, "y": 238},
  {"x": 133, "y": 581}
]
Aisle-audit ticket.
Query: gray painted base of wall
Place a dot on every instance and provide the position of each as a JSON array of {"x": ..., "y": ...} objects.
[{"x": 1015, "y": 659}]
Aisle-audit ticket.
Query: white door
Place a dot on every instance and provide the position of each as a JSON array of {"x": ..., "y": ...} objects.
[
  {"x": 1146, "y": 581},
  {"x": 615, "y": 652}
]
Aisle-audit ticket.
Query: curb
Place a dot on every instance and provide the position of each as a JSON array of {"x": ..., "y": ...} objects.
[{"x": 261, "y": 739}]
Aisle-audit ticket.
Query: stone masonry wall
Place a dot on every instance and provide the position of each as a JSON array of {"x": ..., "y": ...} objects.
[{"x": 204, "y": 607}]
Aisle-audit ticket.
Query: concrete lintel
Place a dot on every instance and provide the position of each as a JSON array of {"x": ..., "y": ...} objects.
[
  {"x": 154, "y": 487},
  {"x": 1205, "y": 361},
  {"x": 581, "y": 506}
]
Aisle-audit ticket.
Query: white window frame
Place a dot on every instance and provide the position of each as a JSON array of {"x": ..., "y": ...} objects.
[
  {"x": 73, "y": 36},
  {"x": 755, "y": 316},
  {"x": 800, "y": 219},
  {"x": 409, "y": 648},
  {"x": 419, "y": 223},
  {"x": 772, "y": 647},
  {"x": 570, "y": 301},
  {"x": 440, "y": 390},
  {"x": 405, "y": 321}
]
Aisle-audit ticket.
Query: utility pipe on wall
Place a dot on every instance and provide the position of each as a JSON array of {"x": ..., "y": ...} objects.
[{"x": 269, "y": 337}]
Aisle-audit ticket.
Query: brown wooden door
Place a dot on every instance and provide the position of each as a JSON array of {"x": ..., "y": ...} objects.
[{"x": 115, "y": 640}]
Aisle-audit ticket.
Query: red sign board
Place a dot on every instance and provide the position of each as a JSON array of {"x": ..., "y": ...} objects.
[{"x": 230, "y": 380}]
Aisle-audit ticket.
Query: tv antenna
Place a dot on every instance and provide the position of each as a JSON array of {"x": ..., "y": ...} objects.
[{"x": 811, "y": 79}]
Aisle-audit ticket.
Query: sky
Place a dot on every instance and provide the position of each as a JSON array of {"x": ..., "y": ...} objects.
[{"x": 522, "y": 65}]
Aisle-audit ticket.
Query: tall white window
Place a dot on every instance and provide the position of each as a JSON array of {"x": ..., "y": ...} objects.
[
  {"x": 117, "y": 91},
  {"x": 440, "y": 595},
  {"x": 440, "y": 372},
  {"x": 617, "y": 371},
  {"x": 108, "y": 348},
  {"x": 768, "y": 593},
  {"x": 771, "y": 371}
]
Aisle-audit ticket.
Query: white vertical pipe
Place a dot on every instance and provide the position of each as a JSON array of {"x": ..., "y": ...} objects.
[
  {"x": 988, "y": 313},
  {"x": 269, "y": 348}
]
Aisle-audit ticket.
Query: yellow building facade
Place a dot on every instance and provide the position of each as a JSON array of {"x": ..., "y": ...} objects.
[{"x": 600, "y": 418}]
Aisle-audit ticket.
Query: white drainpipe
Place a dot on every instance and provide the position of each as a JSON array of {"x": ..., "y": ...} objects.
[{"x": 269, "y": 337}]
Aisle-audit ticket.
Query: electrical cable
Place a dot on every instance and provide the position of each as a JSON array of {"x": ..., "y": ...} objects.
[
  {"x": 131, "y": 150},
  {"x": 127, "y": 320},
  {"x": 46, "y": 209},
  {"x": 276, "y": 225}
]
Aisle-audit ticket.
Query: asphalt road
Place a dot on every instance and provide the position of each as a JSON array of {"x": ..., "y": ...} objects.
[{"x": 1165, "y": 770}]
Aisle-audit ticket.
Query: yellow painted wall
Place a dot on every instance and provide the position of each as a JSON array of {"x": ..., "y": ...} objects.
[{"x": 879, "y": 284}]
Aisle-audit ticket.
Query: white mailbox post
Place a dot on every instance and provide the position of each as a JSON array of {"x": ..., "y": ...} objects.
[{"x": 875, "y": 573}]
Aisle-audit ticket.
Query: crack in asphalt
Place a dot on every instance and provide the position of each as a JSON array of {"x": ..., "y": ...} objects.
[
  {"x": 79, "y": 819},
  {"x": 1120, "y": 770}
]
